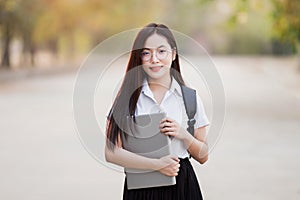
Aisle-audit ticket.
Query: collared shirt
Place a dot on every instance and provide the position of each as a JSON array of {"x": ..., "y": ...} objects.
[{"x": 173, "y": 105}]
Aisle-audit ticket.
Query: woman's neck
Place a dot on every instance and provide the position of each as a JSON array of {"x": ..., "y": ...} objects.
[{"x": 160, "y": 84}]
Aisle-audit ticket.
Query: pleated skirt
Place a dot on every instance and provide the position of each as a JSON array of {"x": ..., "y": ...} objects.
[{"x": 186, "y": 187}]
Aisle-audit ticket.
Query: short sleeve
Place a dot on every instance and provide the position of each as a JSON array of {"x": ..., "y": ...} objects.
[{"x": 200, "y": 116}]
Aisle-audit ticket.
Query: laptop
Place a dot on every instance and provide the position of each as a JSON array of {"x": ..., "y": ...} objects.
[{"x": 144, "y": 138}]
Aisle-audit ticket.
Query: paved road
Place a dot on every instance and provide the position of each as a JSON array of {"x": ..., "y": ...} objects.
[{"x": 257, "y": 157}]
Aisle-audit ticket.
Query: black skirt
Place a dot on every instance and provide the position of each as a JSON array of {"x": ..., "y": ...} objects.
[{"x": 186, "y": 188}]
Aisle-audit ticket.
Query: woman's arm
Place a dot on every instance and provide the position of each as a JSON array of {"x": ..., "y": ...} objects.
[
  {"x": 197, "y": 145},
  {"x": 167, "y": 165},
  {"x": 124, "y": 158}
]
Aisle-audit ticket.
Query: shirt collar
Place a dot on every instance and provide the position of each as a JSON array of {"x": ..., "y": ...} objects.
[
  {"x": 175, "y": 87},
  {"x": 146, "y": 89}
]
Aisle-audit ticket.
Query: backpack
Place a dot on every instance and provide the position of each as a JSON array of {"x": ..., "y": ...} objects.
[{"x": 190, "y": 104}]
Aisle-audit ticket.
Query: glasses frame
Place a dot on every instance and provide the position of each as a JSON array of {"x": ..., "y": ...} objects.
[{"x": 152, "y": 51}]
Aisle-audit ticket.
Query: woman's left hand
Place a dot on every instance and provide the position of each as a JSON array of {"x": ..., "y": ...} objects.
[{"x": 171, "y": 128}]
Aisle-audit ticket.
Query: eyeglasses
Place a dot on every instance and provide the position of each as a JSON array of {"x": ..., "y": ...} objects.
[{"x": 160, "y": 53}]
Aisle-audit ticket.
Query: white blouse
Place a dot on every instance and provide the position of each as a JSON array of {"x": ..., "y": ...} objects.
[{"x": 173, "y": 105}]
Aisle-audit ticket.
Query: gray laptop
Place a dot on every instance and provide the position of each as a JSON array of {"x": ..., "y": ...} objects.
[{"x": 145, "y": 138}]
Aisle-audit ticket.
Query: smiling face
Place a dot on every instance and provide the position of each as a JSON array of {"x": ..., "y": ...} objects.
[{"x": 157, "y": 57}]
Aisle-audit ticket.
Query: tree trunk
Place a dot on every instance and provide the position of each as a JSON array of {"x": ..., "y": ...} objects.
[
  {"x": 28, "y": 52},
  {"x": 6, "y": 53},
  {"x": 32, "y": 55}
]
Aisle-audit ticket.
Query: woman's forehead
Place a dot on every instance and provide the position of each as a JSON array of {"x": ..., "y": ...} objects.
[{"x": 156, "y": 41}]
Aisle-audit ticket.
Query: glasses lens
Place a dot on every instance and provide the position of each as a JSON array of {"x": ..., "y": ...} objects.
[
  {"x": 161, "y": 54},
  {"x": 146, "y": 55}
]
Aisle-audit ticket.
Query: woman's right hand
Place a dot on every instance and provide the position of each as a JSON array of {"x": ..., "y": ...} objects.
[{"x": 169, "y": 166}]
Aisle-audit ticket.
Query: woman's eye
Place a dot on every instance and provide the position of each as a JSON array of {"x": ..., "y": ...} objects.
[
  {"x": 145, "y": 53},
  {"x": 161, "y": 51}
]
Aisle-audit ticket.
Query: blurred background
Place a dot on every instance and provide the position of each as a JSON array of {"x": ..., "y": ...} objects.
[
  {"x": 253, "y": 43},
  {"x": 43, "y": 32}
]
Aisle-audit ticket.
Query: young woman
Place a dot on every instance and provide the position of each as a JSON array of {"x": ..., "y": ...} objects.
[{"x": 152, "y": 84}]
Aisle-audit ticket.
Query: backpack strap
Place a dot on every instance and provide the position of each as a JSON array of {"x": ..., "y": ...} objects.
[{"x": 190, "y": 104}]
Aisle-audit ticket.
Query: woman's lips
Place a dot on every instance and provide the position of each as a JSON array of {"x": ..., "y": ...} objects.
[{"x": 155, "y": 68}]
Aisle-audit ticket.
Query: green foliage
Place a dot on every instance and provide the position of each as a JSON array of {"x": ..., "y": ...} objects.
[
  {"x": 8, "y": 13},
  {"x": 282, "y": 15},
  {"x": 60, "y": 24},
  {"x": 70, "y": 26},
  {"x": 249, "y": 27},
  {"x": 286, "y": 17}
]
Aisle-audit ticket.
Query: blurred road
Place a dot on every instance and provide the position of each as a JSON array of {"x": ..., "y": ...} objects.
[{"x": 257, "y": 157}]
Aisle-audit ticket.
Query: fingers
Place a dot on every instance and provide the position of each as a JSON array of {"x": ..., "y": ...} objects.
[
  {"x": 169, "y": 161},
  {"x": 166, "y": 119},
  {"x": 168, "y": 129},
  {"x": 164, "y": 124},
  {"x": 172, "y": 170},
  {"x": 176, "y": 169},
  {"x": 172, "y": 160},
  {"x": 176, "y": 159},
  {"x": 172, "y": 166},
  {"x": 168, "y": 126}
]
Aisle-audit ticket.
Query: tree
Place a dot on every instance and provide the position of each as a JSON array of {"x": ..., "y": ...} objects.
[
  {"x": 28, "y": 13},
  {"x": 18, "y": 19},
  {"x": 286, "y": 22},
  {"x": 8, "y": 21},
  {"x": 286, "y": 16}
]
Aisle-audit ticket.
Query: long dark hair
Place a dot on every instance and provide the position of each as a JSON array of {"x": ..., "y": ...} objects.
[{"x": 125, "y": 102}]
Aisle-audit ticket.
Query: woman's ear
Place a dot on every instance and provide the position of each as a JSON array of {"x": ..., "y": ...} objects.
[{"x": 174, "y": 54}]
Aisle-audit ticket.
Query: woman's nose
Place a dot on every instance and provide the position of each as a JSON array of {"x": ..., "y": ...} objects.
[{"x": 154, "y": 58}]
